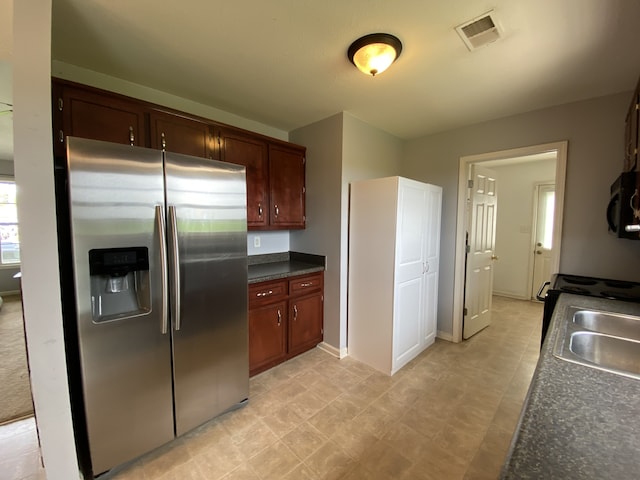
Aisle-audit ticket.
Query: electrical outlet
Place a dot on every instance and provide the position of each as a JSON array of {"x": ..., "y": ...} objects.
[{"x": 256, "y": 242}]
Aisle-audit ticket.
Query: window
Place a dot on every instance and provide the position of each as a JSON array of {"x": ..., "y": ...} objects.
[{"x": 9, "y": 239}]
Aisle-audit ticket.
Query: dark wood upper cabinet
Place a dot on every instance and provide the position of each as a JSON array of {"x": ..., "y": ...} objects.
[
  {"x": 177, "y": 134},
  {"x": 275, "y": 168},
  {"x": 87, "y": 114},
  {"x": 287, "y": 186},
  {"x": 632, "y": 135},
  {"x": 251, "y": 152}
]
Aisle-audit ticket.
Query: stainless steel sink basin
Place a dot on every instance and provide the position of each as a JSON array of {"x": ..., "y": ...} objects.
[
  {"x": 609, "y": 353},
  {"x": 602, "y": 340},
  {"x": 611, "y": 323}
]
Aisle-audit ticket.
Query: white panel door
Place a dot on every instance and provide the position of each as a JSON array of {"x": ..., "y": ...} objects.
[
  {"x": 409, "y": 289},
  {"x": 432, "y": 263},
  {"x": 545, "y": 205},
  {"x": 481, "y": 251}
]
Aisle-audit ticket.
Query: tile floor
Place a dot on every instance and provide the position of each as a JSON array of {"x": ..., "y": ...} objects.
[{"x": 449, "y": 414}]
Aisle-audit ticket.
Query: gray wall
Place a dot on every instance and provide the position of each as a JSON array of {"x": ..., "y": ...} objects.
[
  {"x": 124, "y": 87},
  {"x": 595, "y": 132},
  {"x": 323, "y": 140},
  {"x": 514, "y": 224},
  {"x": 340, "y": 149}
]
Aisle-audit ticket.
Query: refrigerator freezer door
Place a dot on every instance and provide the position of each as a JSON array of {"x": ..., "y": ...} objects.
[
  {"x": 206, "y": 201},
  {"x": 125, "y": 359}
]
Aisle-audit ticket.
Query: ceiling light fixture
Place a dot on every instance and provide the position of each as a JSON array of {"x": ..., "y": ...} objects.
[{"x": 374, "y": 53}]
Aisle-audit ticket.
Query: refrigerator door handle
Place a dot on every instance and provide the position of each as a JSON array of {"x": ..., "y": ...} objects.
[
  {"x": 164, "y": 317},
  {"x": 175, "y": 298}
]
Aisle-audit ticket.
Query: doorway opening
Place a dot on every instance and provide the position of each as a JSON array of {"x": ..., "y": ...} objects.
[{"x": 557, "y": 150}]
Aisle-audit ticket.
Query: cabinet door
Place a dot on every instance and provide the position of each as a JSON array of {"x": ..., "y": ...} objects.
[
  {"x": 267, "y": 339},
  {"x": 305, "y": 323},
  {"x": 177, "y": 134},
  {"x": 287, "y": 180},
  {"x": 99, "y": 117},
  {"x": 252, "y": 153}
]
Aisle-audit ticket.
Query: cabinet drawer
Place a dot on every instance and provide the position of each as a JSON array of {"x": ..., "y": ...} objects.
[
  {"x": 264, "y": 293},
  {"x": 306, "y": 284}
]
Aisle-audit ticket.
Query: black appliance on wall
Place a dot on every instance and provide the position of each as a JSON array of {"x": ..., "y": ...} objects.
[
  {"x": 579, "y": 285},
  {"x": 623, "y": 211}
]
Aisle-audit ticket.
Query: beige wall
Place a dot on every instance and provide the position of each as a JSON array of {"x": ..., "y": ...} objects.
[{"x": 595, "y": 132}]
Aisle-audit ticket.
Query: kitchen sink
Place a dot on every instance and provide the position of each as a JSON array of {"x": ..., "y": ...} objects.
[
  {"x": 602, "y": 340},
  {"x": 611, "y": 323},
  {"x": 609, "y": 353}
]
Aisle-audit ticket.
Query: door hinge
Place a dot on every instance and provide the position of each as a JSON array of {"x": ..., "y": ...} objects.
[
  {"x": 60, "y": 104},
  {"x": 467, "y": 248},
  {"x": 464, "y": 311},
  {"x": 304, "y": 160},
  {"x": 304, "y": 189},
  {"x": 470, "y": 183},
  {"x": 322, "y": 298}
]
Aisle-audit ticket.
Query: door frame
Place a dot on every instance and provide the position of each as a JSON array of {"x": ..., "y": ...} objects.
[
  {"x": 534, "y": 234},
  {"x": 461, "y": 222}
]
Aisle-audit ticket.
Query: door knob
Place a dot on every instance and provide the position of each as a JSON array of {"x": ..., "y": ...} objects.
[
  {"x": 494, "y": 257},
  {"x": 539, "y": 244},
  {"x": 538, "y": 252}
]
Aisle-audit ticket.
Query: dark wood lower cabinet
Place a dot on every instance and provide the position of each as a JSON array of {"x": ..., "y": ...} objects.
[
  {"x": 267, "y": 329},
  {"x": 285, "y": 319},
  {"x": 305, "y": 323}
]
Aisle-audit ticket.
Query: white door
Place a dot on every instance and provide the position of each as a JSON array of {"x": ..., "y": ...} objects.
[
  {"x": 410, "y": 265},
  {"x": 431, "y": 268},
  {"x": 543, "y": 235},
  {"x": 481, "y": 250}
]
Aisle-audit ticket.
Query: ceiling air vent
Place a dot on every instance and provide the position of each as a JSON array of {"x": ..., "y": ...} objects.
[{"x": 480, "y": 31}]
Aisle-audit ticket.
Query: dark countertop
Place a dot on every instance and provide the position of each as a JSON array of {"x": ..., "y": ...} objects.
[
  {"x": 282, "y": 265},
  {"x": 577, "y": 422}
]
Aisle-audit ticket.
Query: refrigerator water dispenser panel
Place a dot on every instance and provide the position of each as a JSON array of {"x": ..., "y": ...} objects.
[{"x": 119, "y": 283}]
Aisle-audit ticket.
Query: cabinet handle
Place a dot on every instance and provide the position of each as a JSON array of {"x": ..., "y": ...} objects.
[
  {"x": 279, "y": 317},
  {"x": 164, "y": 142},
  {"x": 132, "y": 137},
  {"x": 264, "y": 294},
  {"x": 306, "y": 284},
  {"x": 259, "y": 209},
  {"x": 277, "y": 210},
  {"x": 61, "y": 136},
  {"x": 295, "y": 313}
]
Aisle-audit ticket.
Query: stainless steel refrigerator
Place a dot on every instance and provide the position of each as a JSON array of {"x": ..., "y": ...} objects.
[{"x": 159, "y": 252}]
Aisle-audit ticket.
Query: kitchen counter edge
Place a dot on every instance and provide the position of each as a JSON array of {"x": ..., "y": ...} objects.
[
  {"x": 263, "y": 268},
  {"x": 577, "y": 422}
]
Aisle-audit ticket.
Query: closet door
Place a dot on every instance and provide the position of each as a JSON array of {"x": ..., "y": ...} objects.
[
  {"x": 409, "y": 285},
  {"x": 432, "y": 259}
]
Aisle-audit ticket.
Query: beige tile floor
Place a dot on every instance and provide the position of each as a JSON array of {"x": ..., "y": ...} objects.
[{"x": 449, "y": 414}]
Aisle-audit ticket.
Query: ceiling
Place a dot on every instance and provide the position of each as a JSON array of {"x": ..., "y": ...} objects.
[{"x": 283, "y": 62}]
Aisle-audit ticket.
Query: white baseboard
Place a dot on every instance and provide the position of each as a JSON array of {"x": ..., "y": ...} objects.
[
  {"x": 336, "y": 352},
  {"x": 444, "y": 336},
  {"x": 510, "y": 295},
  {"x": 10, "y": 292}
]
